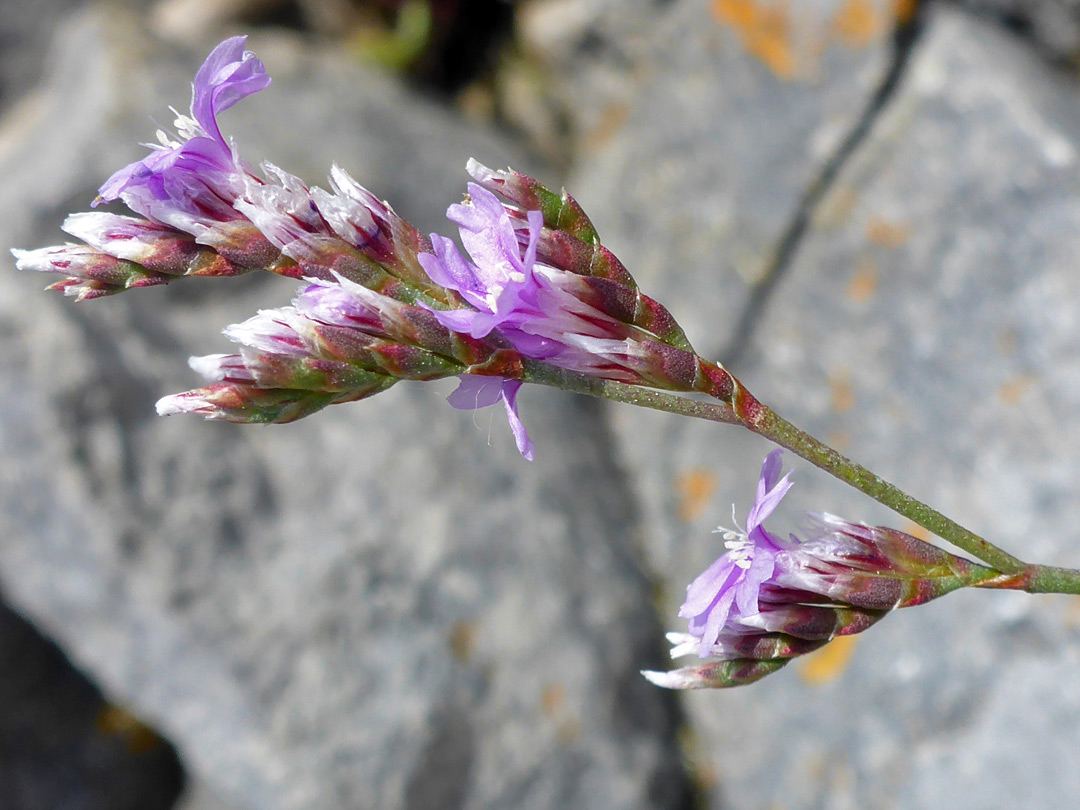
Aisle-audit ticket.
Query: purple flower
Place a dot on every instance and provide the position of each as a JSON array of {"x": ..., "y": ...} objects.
[
  {"x": 389, "y": 303},
  {"x": 500, "y": 286},
  {"x": 190, "y": 181},
  {"x": 728, "y": 590},
  {"x": 767, "y": 600},
  {"x": 542, "y": 311},
  {"x": 536, "y": 307}
]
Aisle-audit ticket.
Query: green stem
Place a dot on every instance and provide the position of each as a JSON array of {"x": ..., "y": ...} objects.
[
  {"x": 543, "y": 374},
  {"x": 1037, "y": 579},
  {"x": 771, "y": 426},
  {"x": 1016, "y": 574},
  {"x": 785, "y": 434},
  {"x": 1051, "y": 579}
]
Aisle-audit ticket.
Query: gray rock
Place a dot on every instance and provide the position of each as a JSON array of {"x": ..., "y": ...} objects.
[
  {"x": 1053, "y": 26},
  {"x": 380, "y": 606},
  {"x": 25, "y": 31},
  {"x": 1033, "y": 709},
  {"x": 734, "y": 111},
  {"x": 710, "y": 171},
  {"x": 197, "y": 796},
  {"x": 928, "y": 328},
  {"x": 63, "y": 745}
]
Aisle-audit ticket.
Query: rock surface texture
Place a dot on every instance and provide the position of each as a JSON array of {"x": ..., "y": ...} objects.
[
  {"x": 1052, "y": 26},
  {"x": 926, "y": 325},
  {"x": 872, "y": 209}
]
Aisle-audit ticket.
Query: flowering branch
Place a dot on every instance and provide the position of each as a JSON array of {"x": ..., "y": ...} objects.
[
  {"x": 783, "y": 433},
  {"x": 767, "y": 600},
  {"x": 534, "y": 298}
]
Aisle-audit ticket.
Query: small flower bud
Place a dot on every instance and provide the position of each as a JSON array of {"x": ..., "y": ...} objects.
[
  {"x": 246, "y": 403},
  {"x": 92, "y": 272}
]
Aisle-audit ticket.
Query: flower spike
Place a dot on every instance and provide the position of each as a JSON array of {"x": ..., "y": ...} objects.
[
  {"x": 767, "y": 600},
  {"x": 534, "y": 294}
]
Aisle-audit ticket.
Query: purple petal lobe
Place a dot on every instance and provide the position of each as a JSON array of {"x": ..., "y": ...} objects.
[
  {"x": 729, "y": 590},
  {"x": 521, "y": 437},
  {"x": 448, "y": 268},
  {"x": 701, "y": 593},
  {"x": 769, "y": 492},
  {"x": 229, "y": 74},
  {"x": 192, "y": 179},
  {"x": 476, "y": 391}
]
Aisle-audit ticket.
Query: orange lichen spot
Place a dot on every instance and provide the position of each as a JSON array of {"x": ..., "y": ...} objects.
[
  {"x": 764, "y": 30},
  {"x": 1008, "y": 340},
  {"x": 113, "y": 721},
  {"x": 694, "y": 488},
  {"x": 903, "y": 11},
  {"x": 842, "y": 395},
  {"x": 1071, "y": 617},
  {"x": 885, "y": 233},
  {"x": 569, "y": 731},
  {"x": 553, "y": 705},
  {"x": 705, "y": 775},
  {"x": 917, "y": 531},
  {"x": 858, "y": 24},
  {"x": 477, "y": 103},
  {"x": 1012, "y": 391},
  {"x": 611, "y": 120},
  {"x": 552, "y": 698},
  {"x": 828, "y": 663},
  {"x": 863, "y": 284},
  {"x": 462, "y": 640},
  {"x": 837, "y": 206},
  {"x": 739, "y": 14},
  {"x": 696, "y": 756},
  {"x": 840, "y": 439}
]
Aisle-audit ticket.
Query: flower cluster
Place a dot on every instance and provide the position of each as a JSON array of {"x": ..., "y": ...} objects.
[
  {"x": 769, "y": 599},
  {"x": 534, "y": 296},
  {"x": 534, "y": 288}
]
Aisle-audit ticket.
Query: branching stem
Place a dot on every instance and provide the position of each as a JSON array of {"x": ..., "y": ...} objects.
[{"x": 1016, "y": 574}]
